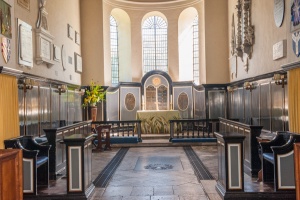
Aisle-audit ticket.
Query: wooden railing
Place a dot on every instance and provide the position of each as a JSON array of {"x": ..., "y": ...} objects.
[
  {"x": 193, "y": 128},
  {"x": 123, "y": 128},
  {"x": 252, "y": 163}
]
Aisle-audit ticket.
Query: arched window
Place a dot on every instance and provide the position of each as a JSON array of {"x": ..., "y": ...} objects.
[
  {"x": 114, "y": 49},
  {"x": 196, "y": 51},
  {"x": 155, "y": 44}
]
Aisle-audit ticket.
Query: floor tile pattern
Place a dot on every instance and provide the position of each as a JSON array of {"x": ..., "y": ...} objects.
[{"x": 129, "y": 183}]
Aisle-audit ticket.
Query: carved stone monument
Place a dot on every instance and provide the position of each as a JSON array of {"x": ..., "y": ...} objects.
[
  {"x": 44, "y": 44},
  {"x": 244, "y": 38}
]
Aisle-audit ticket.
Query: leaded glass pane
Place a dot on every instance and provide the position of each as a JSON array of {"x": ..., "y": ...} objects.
[
  {"x": 155, "y": 44},
  {"x": 114, "y": 51},
  {"x": 196, "y": 51}
]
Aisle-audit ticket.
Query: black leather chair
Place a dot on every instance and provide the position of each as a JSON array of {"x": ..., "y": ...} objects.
[
  {"x": 278, "y": 160},
  {"x": 35, "y": 162}
]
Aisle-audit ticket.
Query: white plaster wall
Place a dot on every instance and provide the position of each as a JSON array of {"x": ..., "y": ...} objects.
[
  {"x": 92, "y": 41},
  {"x": 266, "y": 35},
  {"x": 60, "y": 13},
  {"x": 216, "y": 41}
]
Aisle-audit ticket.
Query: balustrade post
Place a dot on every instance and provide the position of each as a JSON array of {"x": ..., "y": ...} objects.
[
  {"x": 171, "y": 130},
  {"x": 231, "y": 167},
  {"x": 79, "y": 165},
  {"x": 139, "y": 130}
]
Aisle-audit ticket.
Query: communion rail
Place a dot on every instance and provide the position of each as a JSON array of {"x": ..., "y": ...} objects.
[
  {"x": 123, "y": 128},
  {"x": 193, "y": 128}
]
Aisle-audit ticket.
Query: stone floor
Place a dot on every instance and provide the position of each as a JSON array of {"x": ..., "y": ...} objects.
[{"x": 132, "y": 181}]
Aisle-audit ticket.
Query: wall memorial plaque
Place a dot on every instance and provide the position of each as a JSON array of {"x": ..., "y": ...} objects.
[
  {"x": 278, "y": 12},
  {"x": 25, "y": 44},
  {"x": 279, "y": 50}
]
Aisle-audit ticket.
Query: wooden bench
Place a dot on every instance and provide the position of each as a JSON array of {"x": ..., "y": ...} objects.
[
  {"x": 278, "y": 160},
  {"x": 35, "y": 162},
  {"x": 57, "y": 154},
  {"x": 252, "y": 163}
]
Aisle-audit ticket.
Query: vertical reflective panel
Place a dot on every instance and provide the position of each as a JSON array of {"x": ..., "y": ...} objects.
[
  {"x": 277, "y": 97},
  {"x": 255, "y": 106},
  {"x": 202, "y": 107},
  {"x": 230, "y": 102},
  {"x": 21, "y": 110},
  {"x": 234, "y": 104},
  {"x": 45, "y": 109},
  {"x": 199, "y": 104},
  {"x": 70, "y": 106},
  {"x": 265, "y": 105},
  {"x": 237, "y": 105},
  {"x": 240, "y": 105},
  {"x": 112, "y": 105},
  {"x": 247, "y": 101},
  {"x": 64, "y": 108},
  {"x": 216, "y": 99},
  {"x": 77, "y": 107},
  {"x": 31, "y": 111},
  {"x": 54, "y": 107}
]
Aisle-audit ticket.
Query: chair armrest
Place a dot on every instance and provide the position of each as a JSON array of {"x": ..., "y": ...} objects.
[
  {"x": 265, "y": 147},
  {"x": 287, "y": 147},
  {"x": 278, "y": 140},
  {"x": 26, "y": 152},
  {"x": 30, "y": 153},
  {"x": 43, "y": 149}
]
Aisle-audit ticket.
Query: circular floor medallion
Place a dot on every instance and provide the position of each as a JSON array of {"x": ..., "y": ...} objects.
[{"x": 159, "y": 166}]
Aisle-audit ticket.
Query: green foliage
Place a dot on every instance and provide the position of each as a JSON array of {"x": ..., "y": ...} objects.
[{"x": 94, "y": 94}]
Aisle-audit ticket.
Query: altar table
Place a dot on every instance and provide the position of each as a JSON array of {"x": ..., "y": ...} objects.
[{"x": 156, "y": 121}]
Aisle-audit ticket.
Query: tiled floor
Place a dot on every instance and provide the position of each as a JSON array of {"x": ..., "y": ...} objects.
[{"x": 133, "y": 182}]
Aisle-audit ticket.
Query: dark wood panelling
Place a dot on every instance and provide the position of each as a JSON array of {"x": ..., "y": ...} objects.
[{"x": 265, "y": 105}]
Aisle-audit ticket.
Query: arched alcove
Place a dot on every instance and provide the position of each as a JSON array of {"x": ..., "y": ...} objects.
[
  {"x": 124, "y": 40},
  {"x": 185, "y": 43},
  {"x": 156, "y": 90}
]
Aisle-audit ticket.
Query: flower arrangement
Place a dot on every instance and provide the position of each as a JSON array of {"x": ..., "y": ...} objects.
[{"x": 93, "y": 94}]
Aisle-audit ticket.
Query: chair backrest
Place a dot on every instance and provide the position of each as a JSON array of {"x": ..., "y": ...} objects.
[
  {"x": 284, "y": 136},
  {"x": 12, "y": 143},
  {"x": 25, "y": 141}
]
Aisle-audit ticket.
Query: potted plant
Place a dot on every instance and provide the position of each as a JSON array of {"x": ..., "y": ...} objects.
[{"x": 93, "y": 94}]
